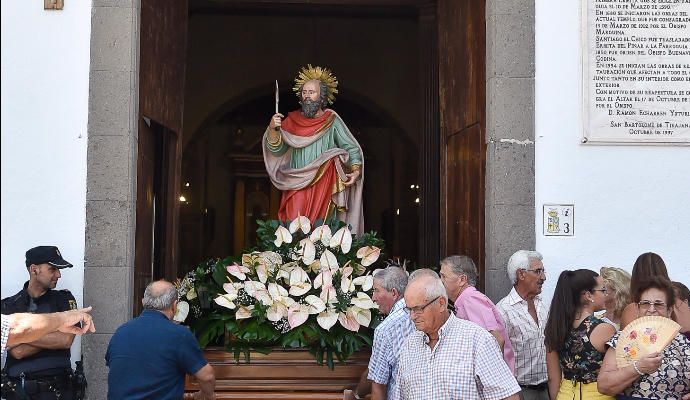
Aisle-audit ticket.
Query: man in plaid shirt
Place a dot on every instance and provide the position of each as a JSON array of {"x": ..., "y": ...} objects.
[
  {"x": 448, "y": 357},
  {"x": 389, "y": 287}
]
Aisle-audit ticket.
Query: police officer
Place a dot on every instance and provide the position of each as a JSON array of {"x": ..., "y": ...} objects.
[{"x": 42, "y": 369}]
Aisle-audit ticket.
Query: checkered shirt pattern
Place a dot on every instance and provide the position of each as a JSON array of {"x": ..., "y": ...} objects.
[
  {"x": 526, "y": 336},
  {"x": 466, "y": 363},
  {"x": 5, "y": 331},
  {"x": 389, "y": 337}
]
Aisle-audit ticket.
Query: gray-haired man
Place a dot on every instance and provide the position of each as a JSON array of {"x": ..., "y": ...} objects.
[
  {"x": 524, "y": 314},
  {"x": 447, "y": 357},
  {"x": 149, "y": 355},
  {"x": 389, "y": 288}
]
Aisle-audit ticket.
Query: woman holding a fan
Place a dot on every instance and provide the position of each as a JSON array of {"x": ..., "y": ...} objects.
[{"x": 649, "y": 359}]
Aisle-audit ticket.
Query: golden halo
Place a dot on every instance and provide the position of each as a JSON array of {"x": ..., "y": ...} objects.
[{"x": 324, "y": 75}]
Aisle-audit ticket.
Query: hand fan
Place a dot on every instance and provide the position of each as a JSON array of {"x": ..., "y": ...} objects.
[{"x": 643, "y": 336}]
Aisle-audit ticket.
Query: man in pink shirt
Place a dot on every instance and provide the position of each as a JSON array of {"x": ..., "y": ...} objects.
[{"x": 459, "y": 276}]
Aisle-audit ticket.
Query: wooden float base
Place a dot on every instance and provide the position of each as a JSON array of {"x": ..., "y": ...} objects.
[{"x": 282, "y": 374}]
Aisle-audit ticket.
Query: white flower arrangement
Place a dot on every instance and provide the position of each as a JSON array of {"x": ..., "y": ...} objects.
[
  {"x": 311, "y": 282},
  {"x": 304, "y": 286}
]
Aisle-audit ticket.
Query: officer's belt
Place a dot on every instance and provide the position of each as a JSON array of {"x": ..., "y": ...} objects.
[
  {"x": 33, "y": 386},
  {"x": 34, "y": 367}
]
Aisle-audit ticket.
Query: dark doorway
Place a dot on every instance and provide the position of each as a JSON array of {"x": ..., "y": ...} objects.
[
  {"x": 412, "y": 76},
  {"x": 156, "y": 149},
  {"x": 159, "y": 125}
]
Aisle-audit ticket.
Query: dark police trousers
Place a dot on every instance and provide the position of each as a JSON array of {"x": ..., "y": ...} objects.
[{"x": 41, "y": 388}]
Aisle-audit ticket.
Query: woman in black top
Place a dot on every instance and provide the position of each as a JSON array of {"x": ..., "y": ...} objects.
[{"x": 575, "y": 339}]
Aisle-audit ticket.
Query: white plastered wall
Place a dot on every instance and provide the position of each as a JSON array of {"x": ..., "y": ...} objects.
[
  {"x": 628, "y": 199},
  {"x": 45, "y": 87}
]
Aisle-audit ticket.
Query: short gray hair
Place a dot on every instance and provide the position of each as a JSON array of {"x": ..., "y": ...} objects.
[
  {"x": 392, "y": 278},
  {"x": 435, "y": 287},
  {"x": 521, "y": 259},
  {"x": 422, "y": 272},
  {"x": 159, "y": 298},
  {"x": 462, "y": 265}
]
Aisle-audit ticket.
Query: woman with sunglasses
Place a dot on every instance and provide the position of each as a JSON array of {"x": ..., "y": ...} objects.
[
  {"x": 664, "y": 375},
  {"x": 618, "y": 296},
  {"x": 575, "y": 339}
]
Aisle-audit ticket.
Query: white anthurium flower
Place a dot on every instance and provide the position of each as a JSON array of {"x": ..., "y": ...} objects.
[
  {"x": 224, "y": 301},
  {"x": 316, "y": 305},
  {"x": 297, "y": 315},
  {"x": 362, "y": 300},
  {"x": 263, "y": 296},
  {"x": 324, "y": 278},
  {"x": 299, "y": 282},
  {"x": 369, "y": 255},
  {"x": 307, "y": 251},
  {"x": 347, "y": 270},
  {"x": 342, "y": 239},
  {"x": 366, "y": 282},
  {"x": 328, "y": 294},
  {"x": 230, "y": 290},
  {"x": 362, "y": 316},
  {"x": 301, "y": 223},
  {"x": 282, "y": 236},
  {"x": 347, "y": 285},
  {"x": 262, "y": 272},
  {"x": 238, "y": 271},
  {"x": 323, "y": 234},
  {"x": 284, "y": 271},
  {"x": 191, "y": 295},
  {"x": 327, "y": 319},
  {"x": 328, "y": 260},
  {"x": 348, "y": 320},
  {"x": 276, "y": 291},
  {"x": 244, "y": 312},
  {"x": 181, "y": 312},
  {"x": 252, "y": 286},
  {"x": 281, "y": 302},
  {"x": 277, "y": 311}
]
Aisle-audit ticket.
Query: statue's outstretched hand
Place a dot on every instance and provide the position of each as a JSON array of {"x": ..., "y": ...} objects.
[
  {"x": 351, "y": 177},
  {"x": 276, "y": 121}
]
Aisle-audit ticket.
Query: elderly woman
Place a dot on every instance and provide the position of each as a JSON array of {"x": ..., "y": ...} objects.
[
  {"x": 647, "y": 265},
  {"x": 664, "y": 375},
  {"x": 617, "y": 283}
]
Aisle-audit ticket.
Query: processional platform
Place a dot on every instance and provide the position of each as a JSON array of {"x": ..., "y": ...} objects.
[{"x": 281, "y": 374}]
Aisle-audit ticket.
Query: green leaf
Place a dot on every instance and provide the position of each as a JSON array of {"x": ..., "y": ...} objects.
[
  {"x": 220, "y": 276},
  {"x": 329, "y": 360}
]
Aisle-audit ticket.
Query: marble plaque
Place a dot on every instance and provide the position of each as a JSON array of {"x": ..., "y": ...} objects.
[{"x": 636, "y": 71}]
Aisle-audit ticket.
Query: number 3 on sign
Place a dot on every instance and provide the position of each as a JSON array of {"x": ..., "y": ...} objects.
[{"x": 559, "y": 219}]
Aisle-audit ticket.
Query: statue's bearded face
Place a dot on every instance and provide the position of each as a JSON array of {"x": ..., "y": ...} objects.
[{"x": 312, "y": 99}]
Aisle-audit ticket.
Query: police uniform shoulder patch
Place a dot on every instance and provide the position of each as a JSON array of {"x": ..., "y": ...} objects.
[{"x": 67, "y": 297}]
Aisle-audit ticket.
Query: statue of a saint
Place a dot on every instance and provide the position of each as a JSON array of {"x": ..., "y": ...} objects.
[{"x": 313, "y": 158}]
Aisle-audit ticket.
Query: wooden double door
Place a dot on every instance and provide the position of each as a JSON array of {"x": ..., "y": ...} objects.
[{"x": 452, "y": 153}]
